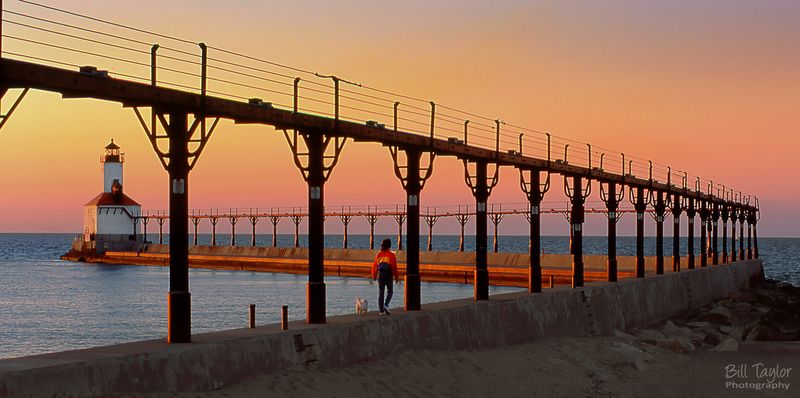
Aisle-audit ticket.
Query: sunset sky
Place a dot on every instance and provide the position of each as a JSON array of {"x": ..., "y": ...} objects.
[{"x": 708, "y": 87}]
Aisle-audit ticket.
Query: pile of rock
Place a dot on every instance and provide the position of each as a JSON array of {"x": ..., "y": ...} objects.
[{"x": 768, "y": 313}]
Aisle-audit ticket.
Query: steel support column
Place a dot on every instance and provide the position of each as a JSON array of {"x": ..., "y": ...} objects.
[
  {"x": 612, "y": 198},
  {"x": 178, "y": 298},
  {"x": 724, "y": 233},
  {"x": 715, "y": 238},
  {"x": 412, "y": 183},
  {"x": 742, "y": 218},
  {"x": 481, "y": 193},
  {"x": 750, "y": 220},
  {"x": 640, "y": 205},
  {"x": 705, "y": 214},
  {"x": 534, "y": 190},
  {"x": 315, "y": 289},
  {"x": 660, "y": 209},
  {"x": 412, "y": 291},
  {"x": 577, "y": 195},
  {"x": 691, "y": 211},
  {"x": 677, "y": 209},
  {"x": 734, "y": 217}
]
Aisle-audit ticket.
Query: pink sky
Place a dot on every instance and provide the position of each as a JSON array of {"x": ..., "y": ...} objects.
[{"x": 710, "y": 88}]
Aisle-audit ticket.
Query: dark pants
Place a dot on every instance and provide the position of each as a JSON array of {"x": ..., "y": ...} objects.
[{"x": 384, "y": 281}]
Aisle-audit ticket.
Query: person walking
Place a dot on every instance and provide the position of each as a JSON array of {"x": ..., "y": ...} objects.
[{"x": 384, "y": 269}]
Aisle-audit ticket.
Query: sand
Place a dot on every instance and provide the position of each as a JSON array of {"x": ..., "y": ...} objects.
[{"x": 558, "y": 367}]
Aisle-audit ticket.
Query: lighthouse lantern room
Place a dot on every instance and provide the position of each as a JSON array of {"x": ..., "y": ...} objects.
[{"x": 110, "y": 219}]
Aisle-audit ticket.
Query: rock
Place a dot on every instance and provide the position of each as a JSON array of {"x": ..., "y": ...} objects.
[
  {"x": 698, "y": 325},
  {"x": 729, "y": 344},
  {"x": 743, "y": 307},
  {"x": 763, "y": 332},
  {"x": 762, "y": 309},
  {"x": 697, "y": 337},
  {"x": 732, "y": 331},
  {"x": 628, "y": 338},
  {"x": 649, "y": 336},
  {"x": 712, "y": 337},
  {"x": 670, "y": 329},
  {"x": 622, "y": 354},
  {"x": 718, "y": 314},
  {"x": 777, "y": 315},
  {"x": 678, "y": 344}
]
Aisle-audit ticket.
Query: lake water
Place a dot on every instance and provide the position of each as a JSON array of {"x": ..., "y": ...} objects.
[{"x": 50, "y": 305}]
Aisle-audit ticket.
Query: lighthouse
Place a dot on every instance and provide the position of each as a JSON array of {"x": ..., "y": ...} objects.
[{"x": 110, "y": 219}]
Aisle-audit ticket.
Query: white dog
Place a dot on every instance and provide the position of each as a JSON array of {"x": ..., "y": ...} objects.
[{"x": 362, "y": 306}]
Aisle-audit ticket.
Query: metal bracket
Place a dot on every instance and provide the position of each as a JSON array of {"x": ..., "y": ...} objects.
[
  {"x": 472, "y": 182},
  {"x": 299, "y": 155},
  {"x": 4, "y": 117},
  {"x": 401, "y": 170},
  {"x": 195, "y": 135}
]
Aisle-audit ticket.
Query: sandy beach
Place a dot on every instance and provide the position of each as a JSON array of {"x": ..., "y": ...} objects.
[{"x": 710, "y": 351}]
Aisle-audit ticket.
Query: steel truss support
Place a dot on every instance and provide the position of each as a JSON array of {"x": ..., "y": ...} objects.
[
  {"x": 275, "y": 220},
  {"x": 496, "y": 218},
  {"x": 185, "y": 145},
  {"x": 412, "y": 177},
  {"x": 233, "y": 220},
  {"x": 5, "y": 116},
  {"x": 742, "y": 218},
  {"x": 530, "y": 181},
  {"x": 195, "y": 222},
  {"x": 734, "y": 217},
  {"x": 462, "y": 219},
  {"x": 725, "y": 213},
  {"x": 756, "y": 219},
  {"x": 612, "y": 198},
  {"x": 677, "y": 209},
  {"x": 400, "y": 218},
  {"x": 372, "y": 219},
  {"x": 160, "y": 222},
  {"x": 705, "y": 225},
  {"x": 659, "y": 209},
  {"x": 346, "y": 218},
  {"x": 714, "y": 228},
  {"x": 577, "y": 195},
  {"x": 431, "y": 220},
  {"x": 213, "y": 221},
  {"x": 691, "y": 212},
  {"x": 315, "y": 165},
  {"x": 637, "y": 198},
  {"x": 253, "y": 222},
  {"x": 297, "y": 220},
  {"x": 481, "y": 186}
]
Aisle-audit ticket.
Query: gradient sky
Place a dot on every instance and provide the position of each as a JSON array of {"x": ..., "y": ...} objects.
[{"x": 709, "y": 87}]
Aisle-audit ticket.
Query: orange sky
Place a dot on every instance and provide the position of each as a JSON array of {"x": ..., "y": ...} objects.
[{"x": 709, "y": 88}]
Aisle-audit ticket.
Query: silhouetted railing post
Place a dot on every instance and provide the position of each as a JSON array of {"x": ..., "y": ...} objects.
[
  {"x": 676, "y": 232},
  {"x": 178, "y": 298}
]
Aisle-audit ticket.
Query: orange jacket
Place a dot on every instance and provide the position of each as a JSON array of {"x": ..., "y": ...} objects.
[{"x": 385, "y": 256}]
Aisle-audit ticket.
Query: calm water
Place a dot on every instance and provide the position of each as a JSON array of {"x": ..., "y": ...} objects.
[{"x": 49, "y": 305}]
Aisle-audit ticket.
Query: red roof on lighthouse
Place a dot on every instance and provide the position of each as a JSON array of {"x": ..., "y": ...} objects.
[{"x": 108, "y": 199}]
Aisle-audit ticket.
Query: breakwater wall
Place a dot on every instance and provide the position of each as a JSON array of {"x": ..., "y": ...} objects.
[
  {"x": 217, "y": 359},
  {"x": 505, "y": 269}
]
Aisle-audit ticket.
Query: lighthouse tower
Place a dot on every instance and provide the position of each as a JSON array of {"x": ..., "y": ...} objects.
[{"x": 109, "y": 220}]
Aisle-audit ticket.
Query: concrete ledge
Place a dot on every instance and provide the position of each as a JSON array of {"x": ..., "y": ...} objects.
[{"x": 221, "y": 358}]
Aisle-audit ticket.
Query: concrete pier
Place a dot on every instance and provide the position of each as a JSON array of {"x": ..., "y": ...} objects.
[{"x": 218, "y": 359}]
